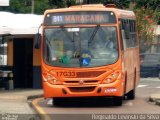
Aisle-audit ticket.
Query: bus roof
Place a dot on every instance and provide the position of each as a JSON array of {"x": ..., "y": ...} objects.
[{"x": 120, "y": 13}]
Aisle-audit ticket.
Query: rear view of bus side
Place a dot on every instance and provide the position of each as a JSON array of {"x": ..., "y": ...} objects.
[{"x": 89, "y": 51}]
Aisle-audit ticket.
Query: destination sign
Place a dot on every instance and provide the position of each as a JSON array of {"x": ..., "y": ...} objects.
[{"x": 100, "y": 17}]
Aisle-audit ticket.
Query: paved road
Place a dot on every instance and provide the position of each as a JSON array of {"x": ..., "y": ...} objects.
[{"x": 140, "y": 105}]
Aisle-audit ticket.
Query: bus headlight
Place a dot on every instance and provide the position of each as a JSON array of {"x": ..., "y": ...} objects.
[
  {"x": 49, "y": 77},
  {"x": 111, "y": 78},
  {"x": 52, "y": 80}
]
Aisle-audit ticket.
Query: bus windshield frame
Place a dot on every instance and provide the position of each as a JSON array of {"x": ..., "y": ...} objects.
[
  {"x": 94, "y": 35},
  {"x": 79, "y": 17}
]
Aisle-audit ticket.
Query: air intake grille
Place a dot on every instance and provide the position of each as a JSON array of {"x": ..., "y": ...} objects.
[
  {"x": 89, "y": 74},
  {"x": 81, "y": 89}
]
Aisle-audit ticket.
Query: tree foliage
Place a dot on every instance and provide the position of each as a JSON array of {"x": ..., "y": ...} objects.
[
  {"x": 61, "y": 3},
  {"x": 147, "y": 11},
  {"x": 25, "y": 6},
  {"x": 40, "y": 6},
  {"x": 146, "y": 19},
  {"x": 147, "y": 15},
  {"x": 119, "y": 3},
  {"x": 152, "y": 4}
]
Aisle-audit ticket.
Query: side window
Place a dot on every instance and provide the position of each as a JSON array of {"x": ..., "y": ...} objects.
[
  {"x": 133, "y": 41},
  {"x": 128, "y": 32},
  {"x": 124, "y": 33}
]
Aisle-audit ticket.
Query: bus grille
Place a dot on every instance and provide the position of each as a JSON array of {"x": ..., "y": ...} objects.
[
  {"x": 82, "y": 89},
  {"x": 70, "y": 82},
  {"x": 89, "y": 74}
]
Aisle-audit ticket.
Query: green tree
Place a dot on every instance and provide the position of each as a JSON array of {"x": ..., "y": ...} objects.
[
  {"x": 57, "y": 3},
  {"x": 151, "y": 4},
  {"x": 41, "y": 5},
  {"x": 146, "y": 19},
  {"x": 147, "y": 15},
  {"x": 25, "y": 6},
  {"x": 70, "y": 2},
  {"x": 61, "y": 3},
  {"x": 16, "y": 6},
  {"x": 119, "y": 3}
]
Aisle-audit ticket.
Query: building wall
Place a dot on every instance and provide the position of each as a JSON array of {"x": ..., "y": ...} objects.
[
  {"x": 37, "y": 80},
  {"x": 10, "y": 53},
  {"x": 36, "y": 65},
  {"x": 36, "y": 57}
]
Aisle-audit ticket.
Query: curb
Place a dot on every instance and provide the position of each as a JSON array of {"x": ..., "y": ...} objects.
[
  {"x": 43, "y": 115},
  {"x": 154, "y": 97},
  {"x": 31, "y": 97},
  {"x": 151, "y": 99},
  {"x": 20, "y": 97}
]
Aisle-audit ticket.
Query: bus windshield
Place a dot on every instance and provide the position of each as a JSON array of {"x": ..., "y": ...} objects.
[{"x": 80, "y": 47}]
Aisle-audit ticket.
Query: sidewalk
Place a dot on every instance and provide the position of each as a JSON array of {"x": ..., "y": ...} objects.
[{"x": 18, "y": 102}]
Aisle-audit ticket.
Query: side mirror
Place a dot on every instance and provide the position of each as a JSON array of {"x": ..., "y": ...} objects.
[{"x": 37, "y": 41}]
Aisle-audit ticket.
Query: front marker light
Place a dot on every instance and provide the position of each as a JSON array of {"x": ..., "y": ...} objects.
[
  {"x": 113, "y": 75},
  {"x": 108, "y": 80},
  {"x": 49, "y": 77},
  {"x": 111, "y": 78},
  {"x": 54, "y": 81}
]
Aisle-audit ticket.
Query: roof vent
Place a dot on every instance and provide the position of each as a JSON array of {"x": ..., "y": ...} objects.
[
  {"x": 111, "y": 6},
  {"x": 88, "y": 5}
]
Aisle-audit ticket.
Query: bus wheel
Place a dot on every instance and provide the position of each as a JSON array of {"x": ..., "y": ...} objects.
[
  {"x": 118, "y": 101},
  {"x": 131, "y": 95},
  {"x": 57, "y": 101}
]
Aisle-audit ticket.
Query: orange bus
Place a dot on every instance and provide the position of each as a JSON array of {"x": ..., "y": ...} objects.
[{"x": 89, "y": 51}]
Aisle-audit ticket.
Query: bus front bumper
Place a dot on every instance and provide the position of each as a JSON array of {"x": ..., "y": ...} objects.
[{"x": 54, "y": 91}]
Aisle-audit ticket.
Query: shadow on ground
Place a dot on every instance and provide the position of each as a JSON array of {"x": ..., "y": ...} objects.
[{"x": 86, "y": 102}]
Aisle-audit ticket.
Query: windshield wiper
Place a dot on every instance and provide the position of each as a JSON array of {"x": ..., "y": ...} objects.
[
  {"x": 66, "y": 33},
  {"x": 93, "y": 34},
  {"x": 46, "y": 38}
]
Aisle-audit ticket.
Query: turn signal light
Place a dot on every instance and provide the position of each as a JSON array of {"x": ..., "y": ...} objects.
[
  {"x": 49, "y": 77},
  {"x": 52, "y": 80},
  {"x": 111, "y": 78}
]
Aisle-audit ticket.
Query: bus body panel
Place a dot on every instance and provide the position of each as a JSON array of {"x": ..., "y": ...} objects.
[
  {"x": 129, "y": 58},
  {"x": 52, "y": 91},
  {"x": 132, "y": 69}
]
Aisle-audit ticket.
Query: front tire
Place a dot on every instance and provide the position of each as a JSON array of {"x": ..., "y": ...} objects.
[
  {"x": 57, "y": 101},
  {"x": 118, "y": 101},
  {"x": 131, "y": 95}
]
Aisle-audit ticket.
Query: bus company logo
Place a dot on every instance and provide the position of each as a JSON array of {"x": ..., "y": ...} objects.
[{"x": 81, "y": 82}]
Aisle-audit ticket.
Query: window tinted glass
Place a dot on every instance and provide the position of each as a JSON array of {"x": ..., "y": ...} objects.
[{"x": 80, "y": 47}]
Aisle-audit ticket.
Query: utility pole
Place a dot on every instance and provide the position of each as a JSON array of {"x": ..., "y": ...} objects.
[{"x": 32, "y": 6}]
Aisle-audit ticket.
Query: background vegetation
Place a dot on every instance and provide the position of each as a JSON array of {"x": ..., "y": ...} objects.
[{"x": 147, "y": 11}]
